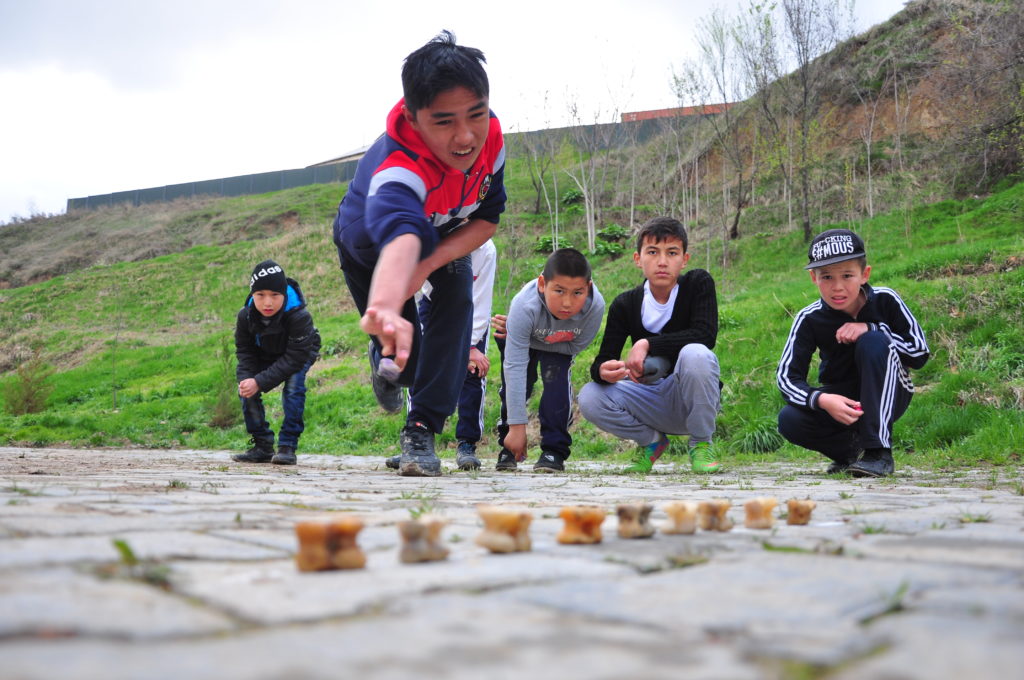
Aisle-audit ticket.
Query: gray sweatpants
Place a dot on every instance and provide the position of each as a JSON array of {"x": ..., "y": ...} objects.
[{"x": 685, "y": 402}]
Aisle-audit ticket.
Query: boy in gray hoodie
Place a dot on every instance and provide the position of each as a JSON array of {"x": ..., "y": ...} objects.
[{"x": 549, "y": 322}]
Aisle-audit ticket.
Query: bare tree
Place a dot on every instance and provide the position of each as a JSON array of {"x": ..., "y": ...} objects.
[
  {"x": 813, "y": 28},
  {"x": 540, "y": 150},
  {"x": 760, "y": 51},
  {"x": 716, "y": 78},
  {"x": 869, "y": 84},
  {"x": 986, "y": 88},
  {"x": 590, "y": 142}
]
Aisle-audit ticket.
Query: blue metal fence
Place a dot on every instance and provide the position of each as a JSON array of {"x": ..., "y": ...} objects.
[
  {"x": 240, "y": 185},
  {"x": 612, "y": 135}
]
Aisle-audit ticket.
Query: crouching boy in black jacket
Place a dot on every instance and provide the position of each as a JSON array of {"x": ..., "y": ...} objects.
[{"x": 275, "y": 342}]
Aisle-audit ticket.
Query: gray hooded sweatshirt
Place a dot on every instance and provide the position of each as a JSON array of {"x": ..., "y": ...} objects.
[{"x": 531, "y": 326}]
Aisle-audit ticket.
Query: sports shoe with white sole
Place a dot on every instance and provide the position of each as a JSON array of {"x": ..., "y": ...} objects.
[{"x": 418, "y": 458}]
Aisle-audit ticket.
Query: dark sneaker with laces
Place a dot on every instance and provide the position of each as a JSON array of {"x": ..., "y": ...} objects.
[
  {"x": 285, "y": 456},
  {"x": 506, "y": 461},
  {"x": 465, "y": 456},
  {"x": 874, "y": 463},
  {"x": 846, "y": 457},
  {"x": 393, "y": 462},
  {"x": 388, "y": 395},
  {"x": 261, "y": 452},
  {"x": 842, "y": 464},
  {"x": 418, "y": 458},
  {"x": 838, "y": 466},
  {"x": 549, "y": 462}
]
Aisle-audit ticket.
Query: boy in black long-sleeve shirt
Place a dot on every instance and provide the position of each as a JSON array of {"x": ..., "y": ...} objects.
[
  {"x": 668, "y": 383},
  {"x": 867, "y": 339}
]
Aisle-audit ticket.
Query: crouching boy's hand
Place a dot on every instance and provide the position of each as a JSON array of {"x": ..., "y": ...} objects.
[
  {"x": 515, "y": 441},
  {"x": 635, "y": 359},
  {"x": 843, "y": 410},
  {"x": 248, "y": 388},
  {"x": 613, "y": 371}
]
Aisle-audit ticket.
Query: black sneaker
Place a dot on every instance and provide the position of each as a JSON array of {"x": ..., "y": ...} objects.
[
  {"x": 838, "y": 466},
  {"x": 392, "y": 462},
  {"x": 842, "y": 463},
  {"x": 418, "y": 458},
  {"x": 506, "y": 461},
  {"x": 549, "y": 462},
  {"x": 261, "y": 452},
  {"x": 389, "y": 395},
  {"x": 285, "y": 456},
  {"x": 465, "y": 456},
  {"x": 874, "y": 463},
  {"x": 846, "y": 456}
]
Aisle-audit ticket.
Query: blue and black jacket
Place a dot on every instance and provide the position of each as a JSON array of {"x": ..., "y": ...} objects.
[{"x": 272, "y": 349}]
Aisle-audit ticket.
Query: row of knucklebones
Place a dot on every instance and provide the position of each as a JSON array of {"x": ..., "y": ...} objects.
[{"x": 332, "y": 544}]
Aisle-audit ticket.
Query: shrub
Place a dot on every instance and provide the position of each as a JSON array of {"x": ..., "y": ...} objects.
[
  {"x": 613, "y": 233},
  {"x": 759, "y": 436},
  {"x": 546, "y": 244},
  {"x": 612, "y": 250},
  {"x": 572, "y": 197},
  {"x": 225, "y": 411},
  {"x": 30, "y": 388}
]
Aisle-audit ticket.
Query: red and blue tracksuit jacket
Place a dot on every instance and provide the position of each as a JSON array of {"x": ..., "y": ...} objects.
[{"x": 400, "y": 187}]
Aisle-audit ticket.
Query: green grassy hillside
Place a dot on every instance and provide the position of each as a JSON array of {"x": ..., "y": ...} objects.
[{"x": 137, "y": 347}]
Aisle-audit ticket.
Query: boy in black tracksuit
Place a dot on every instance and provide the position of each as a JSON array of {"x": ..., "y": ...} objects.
[
  {"x": 867, "y": 339},
  {"x": 275, "y": 343}
]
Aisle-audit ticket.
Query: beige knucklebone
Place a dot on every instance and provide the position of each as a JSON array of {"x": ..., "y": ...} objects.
[
  {"x": 506, "y": 530},
  {"x": 421, "y": 540},
  {"x": 682, "y": 517},
  {"x": 635, "y": 520},
  {"x": 759, "y": 512},
  {"x": 329, "y": 544},
  {"x": 711, "y": 515},
  {"x": 582, "y": 524},
  {"x": 799, "y": 511}
]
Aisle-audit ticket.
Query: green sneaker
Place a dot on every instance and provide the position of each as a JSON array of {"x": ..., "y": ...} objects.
[
  {"x": 647, "y": 456},
  {"x": 702, "y": 459}
]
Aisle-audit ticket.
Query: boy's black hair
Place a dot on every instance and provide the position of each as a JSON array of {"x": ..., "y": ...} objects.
[
  {"x": 441, "y": 65},
  {"x": 567, "y": 262},
  {"x": 660, "y": 229}
]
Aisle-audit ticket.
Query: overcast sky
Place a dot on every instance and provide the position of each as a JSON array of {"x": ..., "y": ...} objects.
[{"x": 98, "y": 96}]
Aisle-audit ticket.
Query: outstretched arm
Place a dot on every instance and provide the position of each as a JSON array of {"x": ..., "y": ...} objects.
[{"x": 388, "y": 292}]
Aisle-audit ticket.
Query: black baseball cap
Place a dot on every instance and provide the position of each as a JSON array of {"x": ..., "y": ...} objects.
[{"x": 832, "y": 246}]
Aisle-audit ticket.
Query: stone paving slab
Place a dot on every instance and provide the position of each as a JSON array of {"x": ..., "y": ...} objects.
[
  {"x": 918, "y": 576},
  {"x": 146, "y": 545},
  {"x": 63, "y": 603},
  {"x": 460, "y": 637}
]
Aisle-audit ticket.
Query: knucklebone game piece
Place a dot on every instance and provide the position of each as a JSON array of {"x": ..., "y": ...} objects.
[
  {"x": 329, "y": 544},
  {"x": 682, "y": 517},
  {"x": 505, "y": 529},
  {"x": 421, "y": 540},
  {"x": 759, "y": 512},
  {"x": 388, "y": 369},
  {"x": 635, "y": 520},
  {"x": 799, "y": 511},
  {"x": 655, "y": 368},
  {"x": 582, "y": 524},
  {"x": 712, "y": 515}
]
